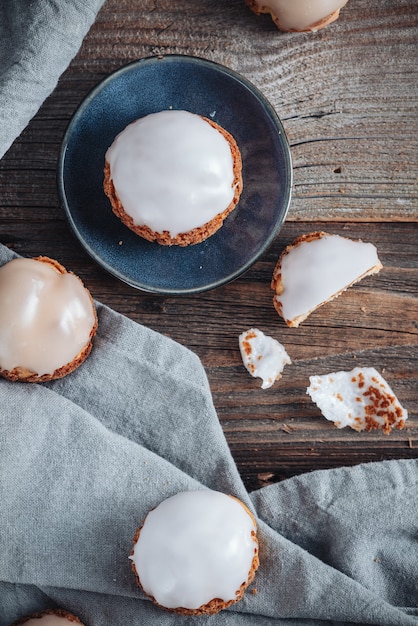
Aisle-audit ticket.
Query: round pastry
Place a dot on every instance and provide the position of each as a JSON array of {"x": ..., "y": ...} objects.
[
  {"x": 196, "y": 552},
  {"x": 49, "y": 617},
  {"x": 47, "y": 320},
  {"x": 299, "y": 15},
  {"x": 173, "y": 177}
]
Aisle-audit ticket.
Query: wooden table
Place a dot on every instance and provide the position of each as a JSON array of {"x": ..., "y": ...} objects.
[{"x": 348, "y": 99}]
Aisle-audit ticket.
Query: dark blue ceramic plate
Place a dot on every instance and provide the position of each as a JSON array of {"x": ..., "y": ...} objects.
[{"x": 202, "y": 87}]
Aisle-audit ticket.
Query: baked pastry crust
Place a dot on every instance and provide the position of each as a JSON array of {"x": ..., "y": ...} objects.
[
  {"x": 22, "y": 374},
  {"x": 216, "y": 604},
  {"x": 196, "y": 235},
  {"x": 57, "y": 612}
]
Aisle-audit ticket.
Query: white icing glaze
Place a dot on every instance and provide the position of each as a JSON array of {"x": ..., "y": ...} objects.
[
  {"x": 300, "y": 14},
  {"x": 263, "y": 356},
  {"x": 48, "y": 620},
  {"x": 353, "y": 398},
  {"x": 194, "y": 547},
  {"x": 314, "y": 271},
  {"x": 172, "y": 171},
  {"x": 45, "y": 317}
]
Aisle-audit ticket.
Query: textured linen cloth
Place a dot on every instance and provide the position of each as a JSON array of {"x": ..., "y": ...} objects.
[
  {"x": 83, "y": 459},
  {"x": 38, "y": 39}
]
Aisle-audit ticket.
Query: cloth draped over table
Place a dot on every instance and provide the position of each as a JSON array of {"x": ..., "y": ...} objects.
[
  {"x": 84, "y": 458},
  {"x": 38, "y": 39}
]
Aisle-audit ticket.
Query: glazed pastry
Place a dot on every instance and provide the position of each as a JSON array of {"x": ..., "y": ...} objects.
[
  {"x": 196, "y": 552},
  {"x": 173, "y": 177},
  {"x": 361, "y": 399},
  {"x": 299, "y": 15},
  {"x": 263, "y": 356},
  {"x": 47, "y": 320},
  {"x": 49, "y": 617},
  {"x": 315, "y": 269}
]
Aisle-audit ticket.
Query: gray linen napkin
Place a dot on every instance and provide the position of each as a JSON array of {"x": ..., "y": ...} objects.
[
  {"x": 83, "y": 459},
  {"x": 38, "y": 39}
]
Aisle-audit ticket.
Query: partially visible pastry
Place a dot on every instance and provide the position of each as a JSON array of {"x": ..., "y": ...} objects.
[
  {"x": 316, "y": 268},
  {"x": 49, "y": 617},
  {"x": 47, "y": 320},
  {"x": 196, "y": 552},
  {"x": 299, "y": 15},
  {"x": 173, "y": 177}
]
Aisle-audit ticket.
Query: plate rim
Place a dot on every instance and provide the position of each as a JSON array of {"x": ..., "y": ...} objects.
[{"x": 217, "y": 67}]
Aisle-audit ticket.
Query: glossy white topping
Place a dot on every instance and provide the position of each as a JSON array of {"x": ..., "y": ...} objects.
[
  {"x": 45, "y": 317},
  {"x": 172, "y": 171},
  {"x": 263, "y": 356},
  {"x": 317, "y": 270},
  {"x": 48, "y": 620},
  {"x": 361, "y": 399},
  {"x": 194, "y": 547},
  {"x": 300, "y": 14}
]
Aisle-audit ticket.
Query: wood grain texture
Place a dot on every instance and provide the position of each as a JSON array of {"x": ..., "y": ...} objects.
[{"x": 348, "y": 98}]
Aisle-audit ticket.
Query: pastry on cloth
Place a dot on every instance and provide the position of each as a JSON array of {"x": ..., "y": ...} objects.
[
  {"x": 196, "y": 552},
  {"x": 316, "y": 268},
  {"x": 173, "y": 177},
  {"x": 361, "y": 399},
  {"x": 263, "y": 356},
  {"x": 299, "y": 15},
  {"x": 47, "y": 320},
  {"x": 49, "y": 617}
]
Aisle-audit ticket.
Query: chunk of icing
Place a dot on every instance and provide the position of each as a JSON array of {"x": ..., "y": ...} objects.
[
  {"x": 263, "y": 356},
  {"x": 172, "y": 171},
  {"x": 45, "y": 317},
  {"x": 361, "y": 399},
  {"x": 301, "y": 14},
  {"x": 194, "y": 547},
  {"x": 48, "y": 620},
  {"x": 317, "y": 270}
]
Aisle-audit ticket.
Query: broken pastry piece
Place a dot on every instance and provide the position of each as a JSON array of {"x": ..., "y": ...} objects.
[
  {"x": 315, "y": 269},
  {"x": 299, "y": 15},
  {"x": 263, "y": 356},
  {"x": 361, "y": 399},
  {"x": 49, "y": 617}
]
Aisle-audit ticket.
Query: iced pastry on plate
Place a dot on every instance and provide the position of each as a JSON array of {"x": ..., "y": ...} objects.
[
  {"x": 196, "y": 552},
  {"x": 47, "y": 320},
  {"x": 361, "y": 399},
  {"x": 49, "y": 617},
  {"x": 263, "y": 356},
  {"x": 315, "y": 269},
  {"x": 173, "y": 177},
  {"x": 299, "y": 15}
]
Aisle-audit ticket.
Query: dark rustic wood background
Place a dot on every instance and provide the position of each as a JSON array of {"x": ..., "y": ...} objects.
[{"x": 348, "y": 99}]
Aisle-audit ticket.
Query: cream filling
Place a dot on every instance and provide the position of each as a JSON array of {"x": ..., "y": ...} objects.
[
  {"x": 172, "y": 171},
  {"x": 45, "y": 317},
  {"x": 299, "y": 14},
  {"x": 194, "y": 547}
]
